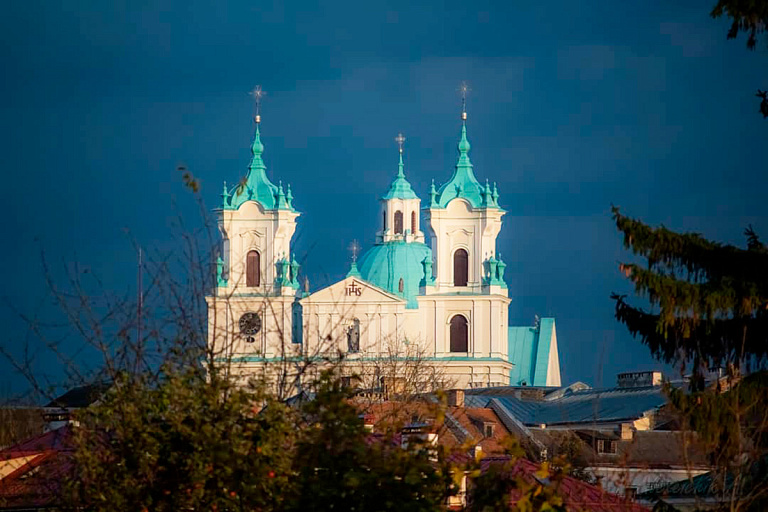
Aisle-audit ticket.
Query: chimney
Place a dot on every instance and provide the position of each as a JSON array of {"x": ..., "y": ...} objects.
[
  {"x": 455, "y": 398},
  {"x": 368, "y": 422},
  {"x": 625, "y": 429}
]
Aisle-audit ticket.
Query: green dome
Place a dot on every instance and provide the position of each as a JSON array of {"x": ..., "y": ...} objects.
[
  {"x": 463, "y": 182},
  {"x": 257, "y": 186},
  {"x": 385, "y": 264}
]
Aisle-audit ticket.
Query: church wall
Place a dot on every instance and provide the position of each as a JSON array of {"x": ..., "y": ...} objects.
[
  {"x": 273, "y": 339},
  {"x": 459, "y": 226},
  {"x": 251, "y": 227}
]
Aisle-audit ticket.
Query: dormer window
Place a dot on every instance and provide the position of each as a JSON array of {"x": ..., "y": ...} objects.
[
  {"x": 400, "y": 286},
  {"x": 605, "y": 446},
  {"x": 488, "y": 429}
]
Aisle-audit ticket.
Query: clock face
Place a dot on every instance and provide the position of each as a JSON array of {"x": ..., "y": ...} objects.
[{"x": 250, "y": 323}]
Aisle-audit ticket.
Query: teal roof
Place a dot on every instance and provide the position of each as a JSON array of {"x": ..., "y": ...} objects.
[
  {"x": 400, "y": 188},
  {"x": 529, "y": 351},
  {"x": 386, "y": 263},
  {"x": 463, "y": 183},
  {"x": 256, "y": 186}
]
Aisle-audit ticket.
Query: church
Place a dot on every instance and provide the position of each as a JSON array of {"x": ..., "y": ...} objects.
[{"x": 430, "y": 291}]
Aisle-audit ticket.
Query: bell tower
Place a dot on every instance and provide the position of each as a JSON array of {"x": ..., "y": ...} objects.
[
  {"x": 464, "y": 219},
  {"x": 257, "y": 221},
  {"x": 399, "y": 213},
  {"x": 252, "y": 310}
]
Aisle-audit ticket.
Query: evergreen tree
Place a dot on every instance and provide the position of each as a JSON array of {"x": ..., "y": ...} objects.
[
  {"x": 708, "y": 300},
  {"x": 709, "y": 308}
]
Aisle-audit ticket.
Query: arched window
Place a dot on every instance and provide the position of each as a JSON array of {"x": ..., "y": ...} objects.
[
  {"x": 460, "y": 267},
  {"x": 400, "y": 286},
  {"x": 459, "y": 334},
  {"x": 413, "y": 222},
  {"x": 398, "y": 222},
  {"x": 253, "y": 269},
  {"x": 353, "y": 336},
  {"x": 385, "y": 221}
]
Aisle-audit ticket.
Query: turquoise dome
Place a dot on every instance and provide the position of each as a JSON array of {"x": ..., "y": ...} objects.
[{"x": 385, "y": 264}]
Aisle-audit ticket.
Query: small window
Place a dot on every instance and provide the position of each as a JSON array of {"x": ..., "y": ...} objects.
[
  {"x": 385, "y": 221},
  {"x": 413, "y": 222},
  {"x": 398, "y": 222},
  {"x": 253, "y": 269},
  {"x": 488, "y": 429},
  {"x": 460, "y": 268},
  {"x": 459, "y": 333},
  {"x": 400, "y": 285}
]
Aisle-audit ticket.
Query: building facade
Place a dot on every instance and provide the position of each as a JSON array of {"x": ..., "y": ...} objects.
[{"x": 430, "y": 289}]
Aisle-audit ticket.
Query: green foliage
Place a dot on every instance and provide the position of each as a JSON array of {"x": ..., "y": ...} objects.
[
  {"x": 490, "y": 490},
  {"x": 712, "y": 302},
  {"x": 747, "y": 16},
  {"x": 733, "y": 427},
  {"x": 194, "y": 441},
  {"x": 187, "y": 442},
  {"x": 340, "y": 466},
  {"x": 711, "y": 298}
]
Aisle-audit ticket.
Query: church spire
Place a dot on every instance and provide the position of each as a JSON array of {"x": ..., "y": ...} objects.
[
  {"x": 256, "y": 186},
  {"x": 463, "y": 182},
  {"x": 400, "y": 188}
]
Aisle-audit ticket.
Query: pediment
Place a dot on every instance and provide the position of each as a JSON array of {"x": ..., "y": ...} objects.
[{"x": 353, "y": 290}]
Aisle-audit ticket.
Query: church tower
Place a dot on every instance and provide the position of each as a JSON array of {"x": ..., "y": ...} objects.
[
  {"x": 400, "y": 219},
  {"x": 251, "y": 312},
  {"x": 464, "y": 219},
  {"x": 396, "y": 262}
]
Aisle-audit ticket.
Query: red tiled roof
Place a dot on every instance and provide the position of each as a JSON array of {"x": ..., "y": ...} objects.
[
  {"x": 36, "y": 482},
  {"x": 577, "y": 494}
]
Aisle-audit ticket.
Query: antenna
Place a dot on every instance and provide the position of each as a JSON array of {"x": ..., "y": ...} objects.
[{"x": 139, "y": 307}]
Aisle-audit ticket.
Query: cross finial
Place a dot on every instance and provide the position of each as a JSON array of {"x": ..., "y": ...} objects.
[
  {"x": 354, "y": 248},
  {"x": 257, "y": 94},
  {"x": 400, "y": 139},
  {"x": 464, "y": 89}
]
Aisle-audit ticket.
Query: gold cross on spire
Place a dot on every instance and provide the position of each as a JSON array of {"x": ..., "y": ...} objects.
[
  {"x": 257, "y": 94},
  {"x": 464, "y": 88},
  {"x": 354, "y": 248},
  {"x": 400, "y": 139}
]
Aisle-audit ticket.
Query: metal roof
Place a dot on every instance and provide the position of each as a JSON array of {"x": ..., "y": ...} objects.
[{"x": 583, "y": 406}]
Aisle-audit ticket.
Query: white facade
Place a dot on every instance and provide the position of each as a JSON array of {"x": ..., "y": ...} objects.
[{"x": 446, "y": 306}]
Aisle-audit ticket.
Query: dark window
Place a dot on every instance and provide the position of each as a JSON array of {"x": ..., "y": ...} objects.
[
  {"x": 488, "y": 427},
  {"x": 398, "y": 222},
  {"x": 385, "y": 221},
  {"x": 253, "y": 269},
  {"x": 413, "y": 222},
  {"x": 605, "y": 446},
  {"x": 460, "y": 268},
  {"x": 353, "y": 336},
  {"x": 459, "y": 334},
  {"x": 400, "y": 285}
]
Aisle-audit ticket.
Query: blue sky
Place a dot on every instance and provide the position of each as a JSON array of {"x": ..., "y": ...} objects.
[{"x": 574, "y": 107}]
